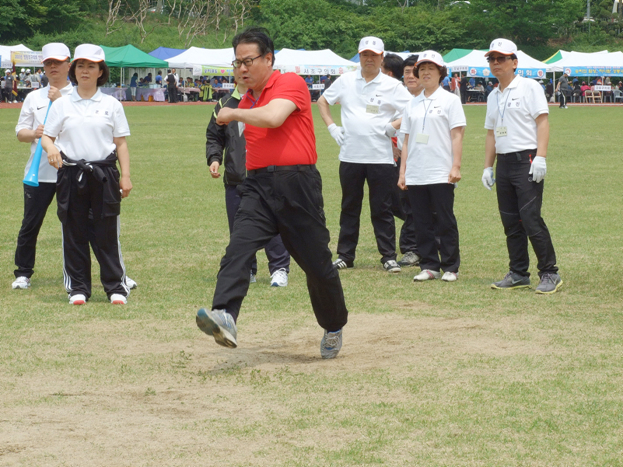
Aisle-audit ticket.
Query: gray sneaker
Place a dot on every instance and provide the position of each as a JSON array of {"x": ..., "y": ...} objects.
[
  {"x": 549, "y": 284},
  {"x": 220, "y": 324},
  {"x": 512, "y": 281},
  {"x": 331, "y": 344},
  {"x": 391, "y": 266},
  {"x": 409, "y": 259}
]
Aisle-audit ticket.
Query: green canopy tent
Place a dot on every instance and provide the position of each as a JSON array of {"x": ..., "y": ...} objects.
[
  {"x": 455, "y": 54},
  {"x": 130, "y": 57}
]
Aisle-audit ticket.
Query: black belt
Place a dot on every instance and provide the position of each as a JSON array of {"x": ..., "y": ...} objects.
[
  {"x": 281, "y": 168},
  {"x": 519, "y": 154}
]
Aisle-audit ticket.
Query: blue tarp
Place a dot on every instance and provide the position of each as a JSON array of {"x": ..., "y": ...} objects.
[{"x": 164, "y": 53}]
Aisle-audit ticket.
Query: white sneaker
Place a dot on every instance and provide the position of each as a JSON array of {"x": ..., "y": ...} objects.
[
  {"x": 77, "y": 299},
  {"x": 118, "y": 299},
  {"x": 427, "y": 275},
  {"x": 450, "y": 276},
  {"x": 252, "y": 279},
  {"x": 21, "y": 282},
  {"x": 130, "y": 283},
  {"x": 392, "y": 266},
  {"x": 279, "y": 278}
]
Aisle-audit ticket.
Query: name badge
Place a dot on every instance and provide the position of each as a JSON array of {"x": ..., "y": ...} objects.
[
  {"x": 240, "y": 128},
  {"x": 372, "y": 109},
  {"x": 421, "y": 138},
  {"x": 501, "y": 131}
]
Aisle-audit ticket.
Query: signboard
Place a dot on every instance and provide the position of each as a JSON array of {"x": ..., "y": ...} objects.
[
  {"x": 209, "y": 70},
  {"x": 317, "y": 87},
  {"x": 316, "y": 70},
  {"x": 485, "y": 72},
  {"x": 602, "y": 87},
  {"x": 228, "y": 86},
  {"x": 594, "y": 71},
  {"x": 27, "y": 58}
]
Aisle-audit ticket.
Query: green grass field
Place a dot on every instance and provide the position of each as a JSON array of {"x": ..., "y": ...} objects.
[{"x": 431, "y": 374}]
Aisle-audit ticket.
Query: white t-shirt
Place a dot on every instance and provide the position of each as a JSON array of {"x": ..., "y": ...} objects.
[
  {"x": 430, "y": 163},
  {"x": 31, "y": 116},
  {"x": 516, "y": 110},
  {"x": 366, "y": 109},
  {"x": 85, "y": 128}
]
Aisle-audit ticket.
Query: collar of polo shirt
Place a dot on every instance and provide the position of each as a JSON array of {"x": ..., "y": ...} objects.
[{"x": 97, "y": 97}]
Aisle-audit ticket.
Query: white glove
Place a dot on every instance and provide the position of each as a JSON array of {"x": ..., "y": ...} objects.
[
  {"x": 337, "y": 132},
  {"x": 487, "y": 178},
  {"x": 390, "y": 131},
  {"x": 538, "y": 169}
]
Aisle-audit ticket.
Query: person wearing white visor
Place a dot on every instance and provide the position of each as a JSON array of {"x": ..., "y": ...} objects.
[
  {"x": 433, "y": 125},
  {"x": 84, "y": 137},
  {"x": 517, "y": 136},
  {"x": 370, "y": 101}
]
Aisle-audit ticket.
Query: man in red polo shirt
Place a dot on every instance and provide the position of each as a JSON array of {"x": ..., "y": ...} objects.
[{"x": 282, "y": 194}]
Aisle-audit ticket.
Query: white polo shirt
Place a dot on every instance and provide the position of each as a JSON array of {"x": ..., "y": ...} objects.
[
  {"x": 366, "y": 109},
  {"x": 85, "y": 128},
  {"x": 516, "y": 110},
  {"x": 430, "y": 163},
  {"x": 31, "y": 116}
]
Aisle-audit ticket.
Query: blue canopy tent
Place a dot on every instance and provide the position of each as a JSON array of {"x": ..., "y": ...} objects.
[{"x": 164, "y": 52}]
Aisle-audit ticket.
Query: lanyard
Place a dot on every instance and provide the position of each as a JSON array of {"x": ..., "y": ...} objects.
[
  {"x": 497, "y": 98},
  {"x": 426, "y": 112},
  {"x": 253, "y": 102}
]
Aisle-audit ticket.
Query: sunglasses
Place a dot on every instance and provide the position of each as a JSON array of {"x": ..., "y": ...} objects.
[{"x": 500, "y": 59}]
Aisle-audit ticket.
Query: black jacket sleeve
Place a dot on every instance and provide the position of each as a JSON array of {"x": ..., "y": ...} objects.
[{"x": 215, "y": 138}]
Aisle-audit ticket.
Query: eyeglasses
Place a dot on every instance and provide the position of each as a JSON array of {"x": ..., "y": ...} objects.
[
  {"x": 500, "y": 59},
  {"x": 246, "y": 62}
]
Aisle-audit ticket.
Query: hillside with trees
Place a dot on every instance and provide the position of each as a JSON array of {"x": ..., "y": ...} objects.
[{"x": 540, "y": 27}]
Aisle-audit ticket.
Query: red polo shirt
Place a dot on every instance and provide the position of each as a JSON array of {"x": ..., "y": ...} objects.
[{"x": 293, "y": 142}]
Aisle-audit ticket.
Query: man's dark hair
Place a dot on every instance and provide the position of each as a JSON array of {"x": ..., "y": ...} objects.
[
  {"x": 514, "y": 57},
  {"x": 258, "y": 36},
  {"x": 101, "y": 81},
  {"x": 168, "y": 71},
  {"x": 393, "y": 63},
  {"x": 411, "y": 60}
]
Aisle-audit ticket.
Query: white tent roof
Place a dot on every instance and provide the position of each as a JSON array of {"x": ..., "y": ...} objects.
[
  {"x": 475, "y": 63},
  {"x": 196, "y": 56},
  {"x": 590, "y": 64},
  {"x": 5, "y": 53},
  {"x": 312, "y": 62}
]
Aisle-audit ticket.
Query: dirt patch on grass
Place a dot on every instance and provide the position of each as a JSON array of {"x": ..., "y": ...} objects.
[{"x": 190, "y": 401}]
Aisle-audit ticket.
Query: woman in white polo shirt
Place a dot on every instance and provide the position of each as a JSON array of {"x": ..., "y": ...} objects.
[
  {"x": 433, "y": 125},
  {"x": 84, "y": 136}
]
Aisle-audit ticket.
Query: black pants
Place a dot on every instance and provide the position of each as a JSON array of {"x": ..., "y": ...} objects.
[
  {"x": 402, "y": 210},
  {"x": 380, "y": 178},
  {"x": 433, "y": 213},
  {"x": 288, "y": 203},
  {"x": 519, "y": 201},
  {"x": 172, "y": 90},
  {"x": 278, "y": 256},
  {"x": 76, "y": 235},
  {"x": 563, "y": 99},
  {"x": 37, "y": 199}
]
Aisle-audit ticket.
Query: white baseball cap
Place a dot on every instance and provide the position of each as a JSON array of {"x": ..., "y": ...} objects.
[
  {"x": 27, "y": 70},
  {"x": 373, "y": 44},
  {"x": 55, "y": 51},
  {"x": 430, "y": 56},
  {"x": 93, "y": 53},
  {"x": 502, "y": 46},
  {"x": 7, "y": 71},
  {"x": 23, "y": 70}
]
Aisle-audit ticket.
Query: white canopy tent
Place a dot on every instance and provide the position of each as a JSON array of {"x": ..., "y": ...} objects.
[
  {"x": 5, "y": 53},
  {"x": 312, "y": 62},
  {"x": 602, "y": 63},
  {"x": 204, "y": 61},
  {"x": 476, "y": 65}
]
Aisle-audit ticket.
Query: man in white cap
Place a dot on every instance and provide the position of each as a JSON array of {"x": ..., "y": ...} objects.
[
  {"x": 370, "y": 100},
  {"x": 518, "y": 134},
  {"x": 29, "y": 129}
]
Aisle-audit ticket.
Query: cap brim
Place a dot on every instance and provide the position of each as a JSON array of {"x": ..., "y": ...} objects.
[
  {"x": 60, "y": 58},
  {"x": 88, "y": 59},
  {"x": 500, "y": 52},
  {"x": 371, "y": 50},
  {"x": 424, "y": 60}
]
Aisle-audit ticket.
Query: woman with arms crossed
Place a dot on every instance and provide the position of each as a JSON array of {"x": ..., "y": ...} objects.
[
  {"x": 84, "y": 136},
  {"x": 433, "y": 125}
]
